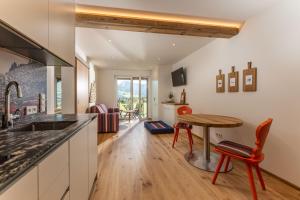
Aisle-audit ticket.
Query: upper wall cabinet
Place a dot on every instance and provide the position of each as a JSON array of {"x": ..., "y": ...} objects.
[
  {"x": 29, "y": 17},
  {"x": 62, "y": 29},
  {"x": 50, "y": 23}
]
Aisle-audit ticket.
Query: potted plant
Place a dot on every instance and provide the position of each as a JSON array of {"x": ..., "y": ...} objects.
[{"x": 171, "y": 97}]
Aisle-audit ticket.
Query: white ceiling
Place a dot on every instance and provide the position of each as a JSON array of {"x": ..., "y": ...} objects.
[
  {"x": 145, "y": 50},
  {"x": 223, "y": 9},
  {"x": 123, "y": 49}
]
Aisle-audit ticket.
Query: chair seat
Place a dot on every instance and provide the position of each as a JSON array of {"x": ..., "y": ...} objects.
[
  {"x": 183, "y": 125},
  {"x": 235, "y": 148}
]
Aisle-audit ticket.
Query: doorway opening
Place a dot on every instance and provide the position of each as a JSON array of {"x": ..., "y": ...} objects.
[{"x": 132, "y": 96}]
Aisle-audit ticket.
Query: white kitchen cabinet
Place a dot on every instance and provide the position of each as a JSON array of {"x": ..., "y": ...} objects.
[
  {"x": 50, "y": 23},
  {"x": 68, "y": 173},
  {"x": 29, "y": 17},
  {"x": 26, "y": 188},
  {"x": 169, "y": 113},
  {"x": 62, "y": 29},
  {"x": 93, "y": 152},
  {"x": 67, "y": 196},
  {"x": 54, "y": 174},
  {"x": 79, "y": 168}
]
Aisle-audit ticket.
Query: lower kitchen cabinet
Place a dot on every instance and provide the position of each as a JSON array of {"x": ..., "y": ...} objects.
[
  {"x": 26, "y": 188},
  {"x": 79, "y": 169},
  {"x": 93, "y": 152},
  {"x": 83, "y": 162},
  {"x": 66, "y": 196},
  {"x": 54, "y": 174},
  {"x": 68, "y": 173}
]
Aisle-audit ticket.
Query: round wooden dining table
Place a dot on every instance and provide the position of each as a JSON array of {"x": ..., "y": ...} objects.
[{"x": 206, "y": 159}]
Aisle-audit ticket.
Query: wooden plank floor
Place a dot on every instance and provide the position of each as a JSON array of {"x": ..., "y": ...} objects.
[{"x": 138, "y": 165}]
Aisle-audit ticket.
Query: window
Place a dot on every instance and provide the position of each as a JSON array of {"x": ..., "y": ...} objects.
[
  {"x": 58, "y": 90},
  {"x": 58, "y": 94}
]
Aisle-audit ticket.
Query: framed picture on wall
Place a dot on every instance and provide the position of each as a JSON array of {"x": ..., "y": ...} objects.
[
  {"x": 220, "y": 82},
  {"x": 233, "y": 80},
  {"x": 250, "y": 78}
]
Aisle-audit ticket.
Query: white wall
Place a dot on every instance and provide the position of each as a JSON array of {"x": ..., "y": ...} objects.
[
  {"x": 272, "y": 41},
  {"x": 154, "y": 99},
  {"x": 50, "y": 89},
  {"x": 164, "y": 85},
  {"x": 80, "y": 54},
  {"x": 68, "y": 90},
  {"x": 92, "y": 73}
]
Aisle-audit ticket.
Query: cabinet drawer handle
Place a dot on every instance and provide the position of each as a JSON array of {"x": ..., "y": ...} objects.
[{"x": 65, "y": 193}]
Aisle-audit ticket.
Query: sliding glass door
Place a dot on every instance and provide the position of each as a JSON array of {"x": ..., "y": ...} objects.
[
  {"x": 132, "y": 94},
  {"x": 124, "y": 93},
  {"x": 144, "y": 97}
]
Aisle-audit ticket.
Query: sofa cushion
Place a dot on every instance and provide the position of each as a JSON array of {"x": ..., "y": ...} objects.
[{"x": 102, "y": 108}]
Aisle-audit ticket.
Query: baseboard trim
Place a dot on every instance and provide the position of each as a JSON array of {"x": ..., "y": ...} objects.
[
  {"x": 264, "y": 170},
  {"x": 281, "y": 179}
]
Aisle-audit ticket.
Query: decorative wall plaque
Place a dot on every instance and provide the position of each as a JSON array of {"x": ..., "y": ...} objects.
[
  {"x": 220, "y": 82},
  {"x": 250, "y": 78},
  {"x": 233, "y": 80},
  {"x": 92, "y": 93}
]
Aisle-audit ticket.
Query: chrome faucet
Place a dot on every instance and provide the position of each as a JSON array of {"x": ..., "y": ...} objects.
[{"x": 6, "y": 117}]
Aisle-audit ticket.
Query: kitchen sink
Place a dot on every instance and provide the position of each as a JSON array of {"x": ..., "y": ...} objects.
[{"x": 43, "y": 126}]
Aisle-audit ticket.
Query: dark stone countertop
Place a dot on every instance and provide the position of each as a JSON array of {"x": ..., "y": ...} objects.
[{"x": 28, "y": 148}]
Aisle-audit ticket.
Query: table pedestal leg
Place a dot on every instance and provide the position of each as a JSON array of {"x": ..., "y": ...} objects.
[
  {"x": 205, "y": 159},
  {"x": 206, "y": 140}
]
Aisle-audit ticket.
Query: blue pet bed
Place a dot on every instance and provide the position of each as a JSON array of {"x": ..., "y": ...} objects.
[{"x": 158, "y": 127}]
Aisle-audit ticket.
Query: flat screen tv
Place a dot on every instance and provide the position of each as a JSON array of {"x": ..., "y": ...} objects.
[{"x": 178, "y": 77}]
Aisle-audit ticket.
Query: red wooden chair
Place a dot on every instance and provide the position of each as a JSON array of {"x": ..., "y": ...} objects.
[
  {"x": 179, "y": 125},
  {"x": 251, "y": 156}
]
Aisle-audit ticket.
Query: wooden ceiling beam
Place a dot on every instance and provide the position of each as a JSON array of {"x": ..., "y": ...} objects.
[{"x": 142, "y": 21}]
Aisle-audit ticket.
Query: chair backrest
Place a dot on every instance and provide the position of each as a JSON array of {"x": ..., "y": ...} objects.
[
  {"x": 261, "y": 135},
  {"x": 182, "y": 110}
]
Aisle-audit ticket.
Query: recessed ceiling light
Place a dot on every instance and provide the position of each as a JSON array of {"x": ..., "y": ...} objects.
[
  {"x": 173, "y": 44},
  {"x": 109, "y": 40}
]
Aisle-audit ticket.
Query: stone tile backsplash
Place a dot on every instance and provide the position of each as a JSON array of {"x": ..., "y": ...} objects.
[{"x": 32, "y": 78}]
